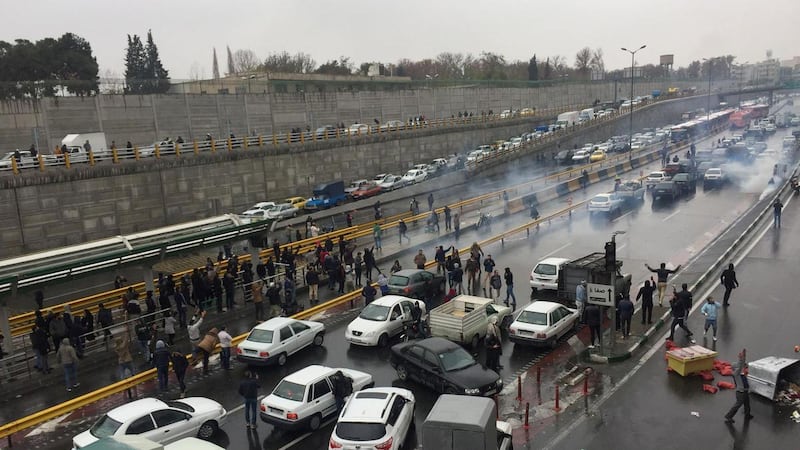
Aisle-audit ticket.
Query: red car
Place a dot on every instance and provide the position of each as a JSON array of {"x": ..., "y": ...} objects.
[{"x": 368, "y": 190}]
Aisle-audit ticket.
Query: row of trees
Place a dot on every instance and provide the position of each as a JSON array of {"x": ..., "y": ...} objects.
[
  {"x": 47, "y": 67},
  {"x": 144, "y": 72}
]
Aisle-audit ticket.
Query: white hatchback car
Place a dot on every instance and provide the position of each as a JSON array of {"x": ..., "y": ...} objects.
[
  {"x": 381, "y": 320},
  {"x": 159, "y": 421},
  {"x": 304, "y": 399},
  {"x": 259, "y": 208},
  {"x": 271, "y": 342},
  {"x": 374, "y": 418},
  {"x": 545, "y": 273},
  {"x": 415, "y": 176},
  {"x": 543, "y": 323}
]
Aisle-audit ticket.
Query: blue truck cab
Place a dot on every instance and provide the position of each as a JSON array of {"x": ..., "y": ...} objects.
[{"x": 326, "y": 195}]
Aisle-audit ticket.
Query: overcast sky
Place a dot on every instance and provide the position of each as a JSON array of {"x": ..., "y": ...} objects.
[{"x": 386, "y": 30}]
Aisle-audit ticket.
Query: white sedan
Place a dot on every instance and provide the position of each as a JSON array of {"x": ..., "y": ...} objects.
[
  {"x": 381, "y": 320},
  {"x": 282, "y": 211},
  {"x": 543, "y": 323},
  {"x": 274, "y": 340},
  {"x": 157, "y": 420},
  {"x": 259, "y": 209},
  {"x": 392, "y": 182},
  {"x": 415, "y": 176},
  {"x": 581, "y": 156},
  {"x": 375, "y": 418},
  {"x": 305, "y": 398}
]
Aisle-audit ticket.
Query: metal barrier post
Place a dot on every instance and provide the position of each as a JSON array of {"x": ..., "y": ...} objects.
[
  {"x": 302, "y": 138},
  {"x": 40, "y": 160},
  {"x": 66, "y": 160},
  {"x": 213, "y": 146},
  {"x": 244, "y": 143},
  {"x": 274, "y": 140},
  {"x": 14, "y": 166},
  {"x": 135, "y": 152},
  {"x": 177, "y": 150},
  {"x": 260, "y": 140},
  {"x": 196, "y": 148},
  {"x": 157, "y": 151},
  {"x": 114, "y": 155},
  {"x": 91, "y": 158},
  {"x": 230, "y": 144}
]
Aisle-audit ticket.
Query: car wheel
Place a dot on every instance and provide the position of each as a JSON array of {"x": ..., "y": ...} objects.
[
  {"x": 476, "y": 340},
  {"x": 282, "y": 359},
  {"x": 207, "y": 430},
  {"x": 402, "y": 372},
  {"x": 315, "y": 422},
  {"x": 451, "y": 390},
  {"x": 318, "y": 339},
  {"x": 383, "y": 340}
]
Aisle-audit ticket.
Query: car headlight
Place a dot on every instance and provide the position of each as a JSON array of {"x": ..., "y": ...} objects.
[
  {"x": 499, "y": 382},
  {"x": 369, "y": 334},
  {"x": 474, "y": 391}
]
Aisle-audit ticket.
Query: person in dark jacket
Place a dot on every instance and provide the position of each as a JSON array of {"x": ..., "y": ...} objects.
[
  {"x": 179, "y": 366},
  {"x": 646, "y": 294},
  {"x": 369, "y": 262},
  {"x": 594, "y": 321},
  {"x": 729, "y": 281},
  {"x": 369, "y": 292},
  {"x": 342, "y": 387},
  {"x": 38, "y": 296},
  {"x": 41, "y": 347},
  {"x": 312, "y": 280},
  {"x": 458, "y": 278},
  {"x": 161, "y": 359},
  {"x": 105, "y": 319},
  {"x": 58, "y": 329},
  {"x": 150, "y": 302},
  {"x": 681, "y": 303},
  {"x": 248, "y": 389},
  {"x": 625, "y": 308},
  {"x": 229, "y": 283},
  {"x": 740, "y": 373}
]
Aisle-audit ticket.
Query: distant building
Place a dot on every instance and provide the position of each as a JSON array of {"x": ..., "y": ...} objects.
[{"x": 763, "y": 72}]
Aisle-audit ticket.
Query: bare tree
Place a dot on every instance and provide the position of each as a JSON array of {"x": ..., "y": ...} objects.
[
  {"x": 450, "y": 65},
  {"x": 597, "y": 62},
  {"x": 582, "y": 60},
  {"x": 196, "y": 71},
  {"x": 558, "y": 63},
  {"x": 245, "y": 60}
]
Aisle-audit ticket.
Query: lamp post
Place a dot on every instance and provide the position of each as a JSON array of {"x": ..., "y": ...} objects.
[
  {"x": 741, "y": 80},
  {"x": 630, "y": 100},
  {"x": 708, "y": 109},
  {"x": 430, "y": 77},
  {"x": 614, "y": 290}
]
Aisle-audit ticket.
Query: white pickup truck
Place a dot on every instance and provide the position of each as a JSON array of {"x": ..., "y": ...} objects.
[{"x": 464, "y": 319}]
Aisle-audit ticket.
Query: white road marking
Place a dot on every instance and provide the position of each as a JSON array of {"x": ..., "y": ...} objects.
[
  {"x": 670, "y": 216},
  {"x": 557, "y": 250},
  {"x": 47, "y": 427},
  {"x": 622, "y": 246},
  {"x": 620, "y": 217},
  {"x": 305, "y": 436}
]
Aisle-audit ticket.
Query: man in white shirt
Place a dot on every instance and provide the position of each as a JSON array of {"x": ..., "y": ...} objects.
[{"x": 225, "y": 342}]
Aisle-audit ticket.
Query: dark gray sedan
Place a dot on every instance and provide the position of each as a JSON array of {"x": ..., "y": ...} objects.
[{"x": 416, "y": 283}]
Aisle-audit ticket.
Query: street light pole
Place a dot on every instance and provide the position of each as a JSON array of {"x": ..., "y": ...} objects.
[
  {"x": 630, "y": 100},
  {"x": 614, "y": 292},
  {"x": 708, "y": 108}
]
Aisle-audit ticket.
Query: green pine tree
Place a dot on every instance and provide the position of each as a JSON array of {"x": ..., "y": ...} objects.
[
  {"x": 135, "y": 76},
  {"x": 157, "y": 75}
]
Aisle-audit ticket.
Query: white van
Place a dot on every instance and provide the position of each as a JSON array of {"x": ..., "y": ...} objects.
[{"x": 546, "y": 272}]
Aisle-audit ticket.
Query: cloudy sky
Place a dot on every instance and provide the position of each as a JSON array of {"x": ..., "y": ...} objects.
[{"x": 387, "y": 30}]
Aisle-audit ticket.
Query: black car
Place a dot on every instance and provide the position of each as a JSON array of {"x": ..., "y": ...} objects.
[
  {"x": 564, "y": 157},
  {"x": 416, "y": 283},
  {"x": 665, "y": 190},
  {"x": 445, "y": 367},
  {"x": 686, "y": 182}
]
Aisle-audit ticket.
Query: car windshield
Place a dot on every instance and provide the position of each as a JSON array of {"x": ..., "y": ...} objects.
[
  {"x": 600, "y": 199},
  {"x": 290, "y": 391},
  {"x": 533, "y": 317},
  {"x": 545, "y": 269},
  {"x": 360, "y": 431},
  {"x": 656, "y": 175},
  {"x": 375, "y": 312},
  {"x": 456, "y": 359},
  {"x": 713, "y": 171},
  {"x": 398, "y": 280},
  {"x": 104, "y": 427},
  {"x": 261, "y": 336}
]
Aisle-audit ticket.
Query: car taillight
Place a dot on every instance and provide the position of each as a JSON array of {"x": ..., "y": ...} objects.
[
  {"x": 386, "y": 445},
  {"x": 263, "y": 354},
  {"x": 291, "y": 416},
  {"x": 541, "y": 335},
  {"x": 263, "y": 408},
  {"x": 407, "y": 290},
  {"x": 334, "y": 444}
]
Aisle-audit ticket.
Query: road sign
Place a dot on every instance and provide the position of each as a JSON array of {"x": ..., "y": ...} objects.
[{"x": 600, "y": 294}]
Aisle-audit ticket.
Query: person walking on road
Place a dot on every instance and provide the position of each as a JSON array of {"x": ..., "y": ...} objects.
[
  {"x": 312, "y": 280},
  {"x": 169, "y": 327},
  {"x": 777, "y": 207},
  {"x": 402, "y": 228},
  {"x": 594, "y": 320},
  {"x": 646, "y": 294},
  {"x": 248, "y": 389},
  {"x": 458, "y": 278},
  {"x": 68, "y": 358},
  {"x": 509, "y": 279},
  {"x": 376, "y": 233},
  {"x": 710, "y": 309},
  {"x": 179, "y": 366},
  {"x": 457, "y": 225},
  {"x": 430, "y": 201},
  {"x": 225, "y": 340},
  {"x": 124, "y": 358},
  {"x": 420, "y": 260},
  {"x": 342, "y": 388},
  {"x": 448, "y": 220},
  {"x": 161, "y": 361},
  {"x": 488, "y": 267},
  {"x": 368, "y": 292},
  {"x": 493, "y": 347},
  {"x": 729, "y": 281},
  {"x": 662, "y": 274},
  {"x": 495, "y": 283},
  {"x": 369, "y": 262},
  {"x": 580, "y": 300},
  {"x": 740, "y": 373},
  {"x": 681, "y": 304},
  {"x": 625, "y": 309},
  {"x": 472, "y": 275}
]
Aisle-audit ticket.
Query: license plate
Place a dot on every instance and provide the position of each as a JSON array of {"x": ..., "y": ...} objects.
[
  {"x": 250, "y": 352},
  {"x": 275, "y": 411}
]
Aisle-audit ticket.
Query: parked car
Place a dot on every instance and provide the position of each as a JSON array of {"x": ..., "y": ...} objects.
[
  {"x": 432, "y": 170},
  {"x": 370, "y": 189},
  {"x": 377, "y": 418},
  {"x": 686, "y": 182},
  {"x": 379, "y": 177},
  {"x": 325, "y": 132},
  {"x": 392, "y": 125},
  {"x": 416, "y": 283},
  {"x": 381, "y": 320},
  {"x": 392, "y": 182},
  {"x": 546, "y": 272},
  {"x": 260, "y": 207},
  {"x": 543, "y": 323},
  {"x": 282, "y": 211},
  {"x": 355, "y": 185},
  {"x": 157, "y": 420},
  {"x": 415, "y": 176},
  {"x": 445, "y": 367},
  {"x": 271, "y": 342},
  {"x": 304, "y": 398},
  {"x": 597, "y": 155},
  {"x": 358, "y": 129},
  {"x": 297, "y": 202},
  {"x": 475, "y": 156},
  {"x": 25, "y": 160}
]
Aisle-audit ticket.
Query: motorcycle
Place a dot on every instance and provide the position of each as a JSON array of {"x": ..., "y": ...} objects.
[{"x": 484, "y": 221}]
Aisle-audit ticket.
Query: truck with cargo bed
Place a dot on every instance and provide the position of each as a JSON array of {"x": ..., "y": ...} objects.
[
  {"x": 76, "y": 146},
  {"x": 592, "y": 269},
  {"x": 464, "y": 319},
  {"x": 460, "y": 422},
  {"x": 327, "y": 195}
]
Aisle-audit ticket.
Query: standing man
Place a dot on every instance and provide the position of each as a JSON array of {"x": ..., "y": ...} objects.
[
  {"x": 403, "y": 230},
  {"x": 179, "y": 366},
  {"x": 68, "y": 358},
  {"x": 256, "y": 291},
  {"x": 740, "y": 373},
  {"x": 376, "y": 233},
  {"x": 312, "y": 280},
  {"x": 646, "y": 294},
  {"x": 488, "y": 267},
  {"x": 777, "y": 207},
  {"x": 681, "y": 303},
  {"x": 369, "y": 292},
  {"x": 357, "y": 267},
  {"x": 710, "y": 310},
  {"x": 430, "y": 201},
  {"x": 248, "y": 389},
  {"x": 161, "y": 359},
  {"x": 206, "y": 347},
  {"x": 458, "y": 278},
  {"x": 580, "y": 299},
  {"x": 729, "y": 281},
  {"x": 495, "y": 283},
  {"x": 225, "y": 344},
  {"x": 594, "y": 321},
  {"x": 457, "y": 225},
  {"x": 662, "y": 273},
  {"x": 509, "y": 279},
  {"x": 447, "y": 219},
  {"x": 625, "y": 309},
  {"x": 420, "y": 260}
]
